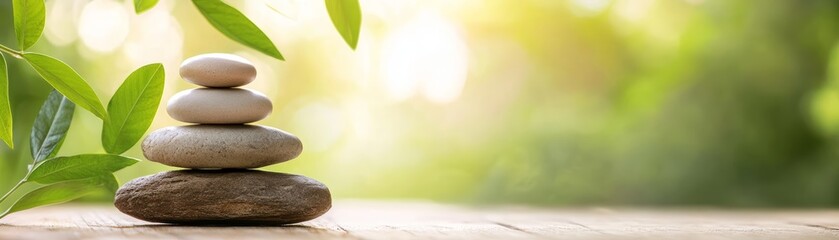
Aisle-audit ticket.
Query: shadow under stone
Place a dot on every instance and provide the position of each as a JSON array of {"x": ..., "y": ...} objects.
[{"x": 222, "y": 225}]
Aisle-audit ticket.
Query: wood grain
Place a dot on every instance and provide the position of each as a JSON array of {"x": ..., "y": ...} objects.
[{"x": 422, "y": 220}]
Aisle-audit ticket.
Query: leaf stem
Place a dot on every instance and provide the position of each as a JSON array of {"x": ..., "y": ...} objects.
[
  {"x": 14, "y": 53},
  {"x": 22, "y": 181}
]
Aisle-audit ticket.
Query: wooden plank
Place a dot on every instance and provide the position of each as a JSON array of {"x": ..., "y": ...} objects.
[
  {"x": 381, "y": 220},
  {"x": 669, "y": 224},
  {"x": 422, "y": 220},
  {"x": 98, "y": 222}
]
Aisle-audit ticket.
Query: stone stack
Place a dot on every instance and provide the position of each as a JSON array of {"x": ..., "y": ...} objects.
[{"x": 219, "y": 150}]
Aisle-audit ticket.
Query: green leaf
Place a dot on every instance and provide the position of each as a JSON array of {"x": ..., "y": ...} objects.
[
  {"x": 64, "y": 79},
  {"x": 77, "y": 167},
  {"x": 29, "y": 21},
  {"x": 5, "y": 107},
  {"x": 57, "y": 147},
  {"x": 63, "y": 192},
  {"x": 50, "y": 126},
  {"x": 132, "y": 109},
  {"x": 236, "y": 26},
  {"x": 346, "y": 16},
  {"x": 141, "y": 6}
]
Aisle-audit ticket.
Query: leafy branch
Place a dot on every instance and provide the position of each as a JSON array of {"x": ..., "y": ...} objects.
[
  {"x": 130, "y": 111},
  {"x": 128, "y": 116},
  {"x": 29, "y": 19},
  {"x": 65, "y": 178},
  {"x": 345, "y": 15},
  {"x": 14, "y": 53},
  {"x": 87, "y": 171}
]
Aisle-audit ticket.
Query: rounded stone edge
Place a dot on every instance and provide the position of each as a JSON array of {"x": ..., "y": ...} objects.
[
  {"x": 153, "y": 155},
  {"x": 131, "y": 184},
  {"x": 232, "y": 60},
  {"x": 175, "y": 113}
]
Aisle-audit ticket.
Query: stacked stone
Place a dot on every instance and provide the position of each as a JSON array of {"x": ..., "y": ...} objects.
[{"x": 218, "y": 187}]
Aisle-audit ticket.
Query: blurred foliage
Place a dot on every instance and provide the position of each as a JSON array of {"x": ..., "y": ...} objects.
[{"x": 582, "y": 102}]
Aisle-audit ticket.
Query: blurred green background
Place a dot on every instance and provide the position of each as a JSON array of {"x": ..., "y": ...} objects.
[{"x": 555, "y": 102}]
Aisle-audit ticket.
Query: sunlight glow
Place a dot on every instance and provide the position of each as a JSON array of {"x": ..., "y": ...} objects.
[
  {"x": 426, "y": 55},
  {"x": 62, "y": 16},
  {"x": 633, "y": 10},
  {"x": 104, "y": 25},
  {"x": 589, "y": 7},
  {"x": 155, "y": 36}
]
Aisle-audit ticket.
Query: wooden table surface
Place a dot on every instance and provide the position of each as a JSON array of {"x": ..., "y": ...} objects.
[{"x": 419, "y": 220}]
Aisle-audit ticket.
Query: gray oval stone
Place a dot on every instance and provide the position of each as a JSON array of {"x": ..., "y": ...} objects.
[
  {"x": 227, "y": 196},
  {"x": 221, "y": 146},
  {"x": 219, "y": 106},
  {"x": 218, "y": 70}
]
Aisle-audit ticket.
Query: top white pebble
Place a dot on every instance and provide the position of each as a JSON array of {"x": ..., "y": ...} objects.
[{"x": 218, "y": 70}]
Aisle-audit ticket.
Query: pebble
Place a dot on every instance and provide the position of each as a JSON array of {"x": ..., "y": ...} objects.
[
  {"x": 218, "y": 70},
  {"x": 236, "y": 197},
  {"x": 221, "y": 146},
  {"x": 219, "y": 106}
]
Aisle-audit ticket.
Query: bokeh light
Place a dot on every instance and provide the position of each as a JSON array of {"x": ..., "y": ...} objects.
[
  {"x": 103, "y": 25},
  {"x": 709, "y": 102},
  {"x": 425, "y": 55}
]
